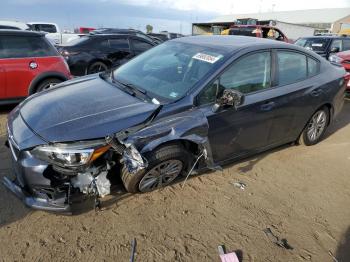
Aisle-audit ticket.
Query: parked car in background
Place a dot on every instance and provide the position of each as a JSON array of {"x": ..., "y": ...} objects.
[
  {"x": 198, "y": 102},
  {"x": 343, "y": 58},
  {"x": 53, "y": 32},
  {"x": 118, "y": 31},
  {"x": 28, "y": 64},
  {"x": 261, "y": 31},
  {"x": 14, "y": 25},
  {"x": 325, "y": 45},
  {"x": 98, "y": 52}
]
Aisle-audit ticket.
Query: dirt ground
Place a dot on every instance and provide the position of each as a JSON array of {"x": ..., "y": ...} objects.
[{"x": 301, "y": 193}]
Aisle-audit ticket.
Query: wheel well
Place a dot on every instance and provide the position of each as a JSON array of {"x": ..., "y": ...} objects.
[
  {"x": 44, "y": 79},
  {"x": 106, "y": 62},
  {"x": 190, "y": 146}
]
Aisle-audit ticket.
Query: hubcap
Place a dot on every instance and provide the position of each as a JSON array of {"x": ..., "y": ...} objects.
[
  {"x": 160, "y": 175},
  {"x": 316, "y": 126}
]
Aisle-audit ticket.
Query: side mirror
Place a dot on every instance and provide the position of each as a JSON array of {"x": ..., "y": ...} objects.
[
  {"x": 229, "y": 98},
  {"x": 335, "y": 50}
]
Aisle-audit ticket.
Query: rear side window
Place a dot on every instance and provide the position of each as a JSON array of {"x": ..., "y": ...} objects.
[
  {"x": 119, "y": 43},
  {"x": 21, "y": 47},
  {"x": 140, "y": 46},
  {"x": 292, "y": 67}
]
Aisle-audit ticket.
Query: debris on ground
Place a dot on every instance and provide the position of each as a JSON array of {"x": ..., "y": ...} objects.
[
  {"x": 276, "y": 240},
  {"x": 227, "y": 257},
  {"x": 133, "y": 250},
  {"x": 239, "y": 185}
]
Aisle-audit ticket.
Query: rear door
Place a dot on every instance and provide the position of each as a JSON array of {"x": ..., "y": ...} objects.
[
  {"x": 139, "y": 45},
  {"x": 296, "y": 94}
]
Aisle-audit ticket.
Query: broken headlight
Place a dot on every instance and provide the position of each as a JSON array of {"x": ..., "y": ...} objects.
[{"x": 71, "y": 155}]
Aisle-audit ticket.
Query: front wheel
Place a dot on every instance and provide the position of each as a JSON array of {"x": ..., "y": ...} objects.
[
  {"x": 315, "y": 128},
  {"x": 164, "y": 165}
]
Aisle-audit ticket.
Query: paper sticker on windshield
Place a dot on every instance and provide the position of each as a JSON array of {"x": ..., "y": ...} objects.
[
  {"x": 317, "y": 45},
  {"x": 206, "y": 58}
]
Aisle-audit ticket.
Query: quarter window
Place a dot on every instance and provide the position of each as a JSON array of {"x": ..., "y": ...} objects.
[
  {"x": 291, "y": 67},
  {"x": 249, "y": 74},
  {"x": 313, "y": 67}
]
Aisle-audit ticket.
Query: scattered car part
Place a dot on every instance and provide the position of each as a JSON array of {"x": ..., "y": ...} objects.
[
  {"x": 274, "y": 239},
  {"x": 227, "y": 257}
]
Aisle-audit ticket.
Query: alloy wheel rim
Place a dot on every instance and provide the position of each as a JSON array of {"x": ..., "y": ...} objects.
[
  {"x": 161, "y": 175},
  {"x": 316, "y": 125}
]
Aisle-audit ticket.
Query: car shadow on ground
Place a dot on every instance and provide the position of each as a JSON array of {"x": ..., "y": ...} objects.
[
  {"x": 342, "y": 120},
  {"x": 343, "y": 250}
]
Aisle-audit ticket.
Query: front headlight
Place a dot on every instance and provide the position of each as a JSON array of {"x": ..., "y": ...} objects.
[
  {"x": 335, "y": 59},
  {"x": 71, "y": 155}
]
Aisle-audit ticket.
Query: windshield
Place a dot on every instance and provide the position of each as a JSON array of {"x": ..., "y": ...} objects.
[
  {"x": 314, "y": 44},
  {"x": 169, "y": 70}
]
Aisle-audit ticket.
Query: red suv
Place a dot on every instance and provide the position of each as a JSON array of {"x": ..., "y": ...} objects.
[{"x": 28, "y": 64}]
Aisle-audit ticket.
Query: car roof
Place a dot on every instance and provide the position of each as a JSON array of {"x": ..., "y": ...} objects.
[
  {"x": 232, "y": 42},
  {"x": 20, "y": 33}
]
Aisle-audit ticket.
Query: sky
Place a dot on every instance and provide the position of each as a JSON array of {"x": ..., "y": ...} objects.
[{"x": 170, "y": 15}]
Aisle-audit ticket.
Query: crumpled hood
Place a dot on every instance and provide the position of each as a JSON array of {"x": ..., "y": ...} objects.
[{"x": 82, "y": 109}]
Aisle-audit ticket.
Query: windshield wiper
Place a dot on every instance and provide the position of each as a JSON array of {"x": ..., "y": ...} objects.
[{"x": 132, "y": 87}]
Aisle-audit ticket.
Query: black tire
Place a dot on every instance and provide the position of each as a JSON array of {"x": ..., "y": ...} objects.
[
  {"x": 47, "y": 83},
  {"x": 305, "y": 137},
  {"x": 165, "y": 154},
  {"x": 96, "y": 67}
]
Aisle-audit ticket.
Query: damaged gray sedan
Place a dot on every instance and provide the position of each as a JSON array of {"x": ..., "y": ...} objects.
[{"x": 193, "y": 103}]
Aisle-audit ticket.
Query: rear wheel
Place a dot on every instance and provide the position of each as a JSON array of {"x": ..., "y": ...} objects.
[
  {"x": 96, "y": 67},
  {"x": 47, "y": 83},
  {"x": 164, "y": 165},
  {"x": 315, "y": 128}
]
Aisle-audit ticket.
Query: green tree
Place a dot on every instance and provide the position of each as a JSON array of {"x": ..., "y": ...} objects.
[{"x": 149, "y": 29}]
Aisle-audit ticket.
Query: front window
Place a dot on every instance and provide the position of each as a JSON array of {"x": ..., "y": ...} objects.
[
  {"x": 314, "y": 44},
  {"x": 170, "y": 70}
]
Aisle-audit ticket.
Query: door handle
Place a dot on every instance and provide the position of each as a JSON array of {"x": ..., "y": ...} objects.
[
  {"x": 316, "y": 92},
  {"x": 267, "y": 106}
]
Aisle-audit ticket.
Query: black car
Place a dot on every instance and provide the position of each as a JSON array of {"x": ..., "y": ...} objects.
[
  {"x": 325, "y": 45},
  {"x": 125, "y": 32},
  {"x": 164, "y": 37},
  {"x": 190, "y": 103},
  {"x": 96, "y": 53}
]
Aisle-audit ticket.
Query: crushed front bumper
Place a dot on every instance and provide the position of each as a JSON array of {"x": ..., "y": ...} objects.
[{"x": 34, "y": 202}]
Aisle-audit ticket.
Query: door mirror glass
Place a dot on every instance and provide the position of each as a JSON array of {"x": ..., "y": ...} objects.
[{"x": 229, "y": 98}]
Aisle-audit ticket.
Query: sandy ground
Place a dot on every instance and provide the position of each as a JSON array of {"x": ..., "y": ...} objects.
[{"x": 300, "y": 193}]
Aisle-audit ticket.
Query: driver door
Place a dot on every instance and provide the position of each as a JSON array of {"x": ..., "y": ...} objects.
[{"x": 239, "y": 131}]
